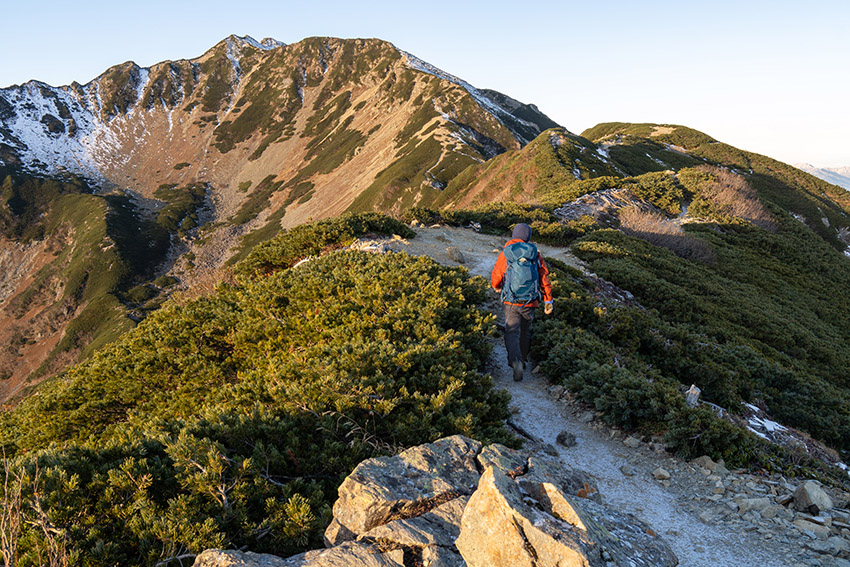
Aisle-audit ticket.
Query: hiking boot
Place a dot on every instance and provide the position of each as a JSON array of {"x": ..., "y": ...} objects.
[{"x": 519, "y": 367}]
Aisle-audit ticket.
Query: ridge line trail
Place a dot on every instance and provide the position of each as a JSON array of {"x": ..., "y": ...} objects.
[{"x": 695, "y": 543}]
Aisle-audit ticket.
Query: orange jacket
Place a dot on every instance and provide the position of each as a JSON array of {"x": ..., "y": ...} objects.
[{"x": 497, "y": 277}]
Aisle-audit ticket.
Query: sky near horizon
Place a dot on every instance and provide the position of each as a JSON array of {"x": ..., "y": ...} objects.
[{"x": 772, "y": 77}]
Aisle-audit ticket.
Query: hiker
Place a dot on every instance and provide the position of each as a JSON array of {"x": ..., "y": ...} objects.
[{"x": 521, "y": 276}]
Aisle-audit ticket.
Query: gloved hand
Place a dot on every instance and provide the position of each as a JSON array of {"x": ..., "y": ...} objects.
[{"x": 548, "y": 307}]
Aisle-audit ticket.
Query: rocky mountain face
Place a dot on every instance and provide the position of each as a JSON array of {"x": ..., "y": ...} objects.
[
  {"x": 313, "y": 126},
  {"x": 456, "y": 502}
]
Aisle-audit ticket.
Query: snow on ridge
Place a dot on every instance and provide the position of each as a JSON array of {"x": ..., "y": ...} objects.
[
  {"x": 144, "y": 79},
  {"x": 497, "y": 111},
  {"x": 233, "y": 54},
  {"x": 86, "y": 144},
  {"x": 267, "y": 44},
  {"x": 40, "y": 150}
]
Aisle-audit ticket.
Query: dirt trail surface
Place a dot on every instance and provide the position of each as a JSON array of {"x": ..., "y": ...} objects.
[{"x": 673, "y": 510}]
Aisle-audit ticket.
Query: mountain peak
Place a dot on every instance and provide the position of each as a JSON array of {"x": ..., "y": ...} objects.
[{"x": 266, "y": 44}]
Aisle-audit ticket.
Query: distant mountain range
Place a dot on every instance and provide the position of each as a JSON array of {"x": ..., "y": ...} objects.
[{"x": 836, "y": 175}]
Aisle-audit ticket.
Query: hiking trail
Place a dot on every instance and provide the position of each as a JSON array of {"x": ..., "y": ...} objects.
[{"x": 676, "y": 509}]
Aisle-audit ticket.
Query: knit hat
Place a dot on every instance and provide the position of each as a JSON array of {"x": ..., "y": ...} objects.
[{"x": 522, "y": 231}]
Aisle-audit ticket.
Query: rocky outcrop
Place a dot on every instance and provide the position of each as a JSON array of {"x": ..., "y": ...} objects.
[
  {"x": 405, "y": 486},
  {"x": 455, "y": 502}
]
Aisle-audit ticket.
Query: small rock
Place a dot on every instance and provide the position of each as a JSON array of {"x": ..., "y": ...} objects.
[
  {"x": 705, "y": 462},
  {"x": 771, "y": 511},
  {"x": 839, "y": 543},
  {"x": 832, "y": 546},
  {"x": 632, "y": 442},
  {"x": 821, "y": 532},
  {"x": 627, "y": 470},
  {"x": 455, "y": 254},
  {"x": 586, "y": 417},
  {"x": 785, "y": 499},
  {"x": 819, "y": 520},
  {"x": 566, "y": 439},
  {"x": 415, "y": 224},
  {"x": 556, "y": 391},
  {"x": 661, "y": 474},
  {"x": 747, "y": 504}
]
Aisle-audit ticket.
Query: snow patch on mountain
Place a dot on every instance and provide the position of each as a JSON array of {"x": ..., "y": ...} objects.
[
  {"x": 497, "y": 111},
  {"x": 46, "y": 149},
  {"x": 267, "y": 43},
  {"x": 144, "y": 79}
]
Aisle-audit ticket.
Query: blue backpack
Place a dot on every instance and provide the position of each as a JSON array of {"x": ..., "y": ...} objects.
[{"x": 522, "y": 282}]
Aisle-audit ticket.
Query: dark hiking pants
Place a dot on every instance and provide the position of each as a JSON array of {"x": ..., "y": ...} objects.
[{"x": 518, "y": 331}]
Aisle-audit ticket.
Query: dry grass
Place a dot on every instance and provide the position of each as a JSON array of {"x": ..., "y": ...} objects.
[
  {"x": 732, "y": 195},
  {"x": 656, "y": 229}
]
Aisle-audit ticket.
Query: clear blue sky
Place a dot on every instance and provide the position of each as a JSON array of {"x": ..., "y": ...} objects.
[{"x": 766, "y": 76}]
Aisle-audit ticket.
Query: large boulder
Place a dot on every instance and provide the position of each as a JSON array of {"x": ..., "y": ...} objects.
[
  {"x": 414, "y": 482},
  {"x": 811, "y": 498},
  {"x": 499, "y": 528},
  {"x": 531, "y": 521}
]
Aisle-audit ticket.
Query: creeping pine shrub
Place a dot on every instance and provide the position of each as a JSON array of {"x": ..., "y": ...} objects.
[
  {"x": 766, "y": 323},
  {"x": 229, "y": 421},
  {"x": 632, "y": 366},
  {"x": 306, "y": 240}
]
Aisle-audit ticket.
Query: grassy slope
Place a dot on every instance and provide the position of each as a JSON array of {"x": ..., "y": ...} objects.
[{"x": 112, "y": 249}]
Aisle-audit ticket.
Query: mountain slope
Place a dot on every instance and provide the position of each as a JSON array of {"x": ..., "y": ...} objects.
[{"x": 69, "y": 260}]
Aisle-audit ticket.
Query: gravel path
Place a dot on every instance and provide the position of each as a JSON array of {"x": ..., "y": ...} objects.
[{"x": 695, "y": 543}]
